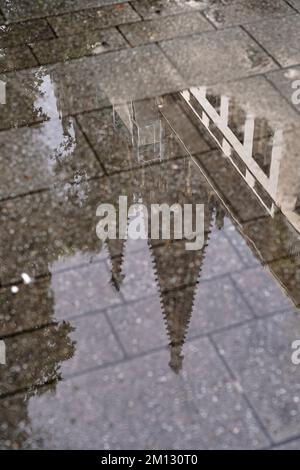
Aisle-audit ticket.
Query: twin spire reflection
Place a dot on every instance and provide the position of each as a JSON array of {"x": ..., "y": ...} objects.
[{"x": 248, "y": 173}]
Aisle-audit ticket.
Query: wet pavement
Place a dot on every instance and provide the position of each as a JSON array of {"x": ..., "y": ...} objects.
[{"x": 142, "y": 344}]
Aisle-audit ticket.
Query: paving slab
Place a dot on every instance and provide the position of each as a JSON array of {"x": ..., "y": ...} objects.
[
  {"x": 19, "y": 10},
  {"x": 236, "y": 12},
  {"x": 152, "y": 394},
  {"x": 260, "y": 356},
  {"x": 279, "y": 36},
  {"x": 207, "y": 59},
  {"x": 145, "y": 32}
]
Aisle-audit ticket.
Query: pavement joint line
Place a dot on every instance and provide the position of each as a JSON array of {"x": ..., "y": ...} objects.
[
  {"x": 55, "y": 35},
  {"x": 243, "y": 393},
  {"x": 29, "y": 46},
  {"x": 245, "y": 300},
  {"x": 237, "y": 252},
  {"x": 42, "y": 276},
  {"x": 253, "y": 38},
  {"x": 288, "y": 440},
  {"x": 117, "y": 27}
]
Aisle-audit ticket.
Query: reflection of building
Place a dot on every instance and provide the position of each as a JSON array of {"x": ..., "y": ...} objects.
[
  {"x": 177, "y": 270},
  {"x": 144, "y": 124},
  {"x": 266, "y": 161},
  {"x": 256, "y": 151},
  {"x": 239, "y": 147},
  {"x": 2, "y": 92}
]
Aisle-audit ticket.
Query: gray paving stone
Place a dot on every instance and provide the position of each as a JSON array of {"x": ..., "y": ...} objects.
[
  {"x": 23, "y": 33},
  {"x": 31, "y": 98},
  {"x": 79, "y": 259},
  {"x": 194, "y": 139},
  {"x": 44, "y": 155},
  {"x": 156, "y": 8},
  {"x": 232, "y": 187},
  {"x": 93, "y": 291},
  {"x": 236, "y": 12},
  {"x": 207, "y": 59},
  {"x": 119, "y": 76},
  {"x": 261, "y": 291},
  {"x": 214, "y": 304},
  {"x": 112, "y": 141},
  {"x": 283, "y": 80},
  {"x": 295, "y": 4},
  {"x": 16, "y": 58},
  {"x": 95, "y": 345},
  {"x": 33, "y": 358},
  {"x": 139, "y": 278},
  {"x": 79, "y": 45},
  {"x": 245, "y": 250},
  {"x": 24, "y": 9},
  {"x": 37, "y": 235},
  {"x": 140, "y": 325},
  {"x": 163, "y": 28},
  {"x": 143, "y": 405},
  {"x": 87, "y": 20},
  {"x": 96, "y": 304},
  {"x": 288, "y": 272},
  {"x": 260, "y": 356},
  {"x": 254, "y": 96},
  {"x": 34, "y": 298},
  {"x": 280, "y": 38},
  {"x": 135, "y": 74}
]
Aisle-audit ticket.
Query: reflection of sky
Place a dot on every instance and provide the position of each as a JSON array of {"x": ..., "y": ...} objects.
[{"x": 59, "y": 142}]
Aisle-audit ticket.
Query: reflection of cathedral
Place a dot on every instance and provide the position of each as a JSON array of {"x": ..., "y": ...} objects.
[
  {"x": 154, "y": 133},
  {"x": 267, "y": 161}
]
